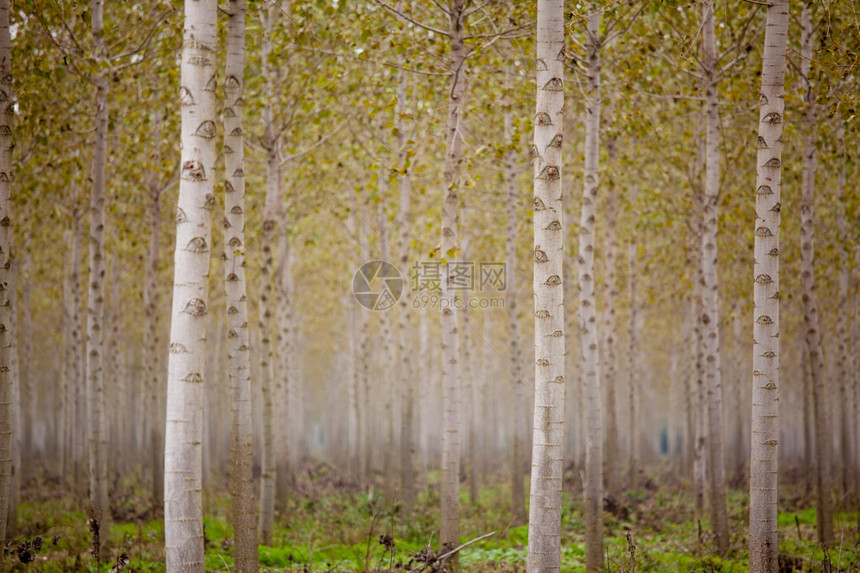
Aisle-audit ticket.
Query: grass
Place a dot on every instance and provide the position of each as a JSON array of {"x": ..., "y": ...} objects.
[{"x": 340, "y": 528}]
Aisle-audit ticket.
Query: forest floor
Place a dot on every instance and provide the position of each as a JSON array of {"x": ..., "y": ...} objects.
[{"x": 330, "y": 526}]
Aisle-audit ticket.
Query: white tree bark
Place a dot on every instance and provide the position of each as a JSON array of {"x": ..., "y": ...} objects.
[
  {"x": 710, "y": 298},
  {"x": 689, "y": 371},
  {"x": 425, "y": 394},
  {"x": 363, "y": 402},
  {"x": 587, "y": 312},
  {"x": 855, "y": 328},
  {"x": 811, "y": 319},
  {"x": 843, "y": 341},
  {"x": 6, "y": 331},
  {"x": 183, "y": 456},
  {"x": 468, "y": 377},
  {"x": 151, "y": 343},
  {"x": 352, "y": 438},
  {"x": 634, "y": 374},
  {"x": 66, "y": 402},
  {"x": 405, "y": 369},
  {"x": 79, "y": 349},
  {"x": 95, "y": 305},
  {"x": 612, "y": 457},
  {"x": 449, "y": 532},
  {"x": 17, "y": 430},
  {"x": 547, "y": 445},
  {"x": 518, "y": 399},
  {"x": 738, "y": 422},
  {"x": 700, "y": 451},
  {"x": 235, "y": 286},
  {"x": 115, "y": 393},
  {"x": 284, "y": 407},
  {"x": 271, "y": 138},
  {"x": 28, "y": 393}
]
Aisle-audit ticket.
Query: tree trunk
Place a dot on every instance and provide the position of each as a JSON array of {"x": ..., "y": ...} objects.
[
  {"x": 426, "y": 382},
  {"x": 468, "y": 377},
  {"x": 634, "y": 377},
  {"x": 29, "y": 392},
  {"x": 387, "y": 382},
  {"x": 406, "y": 371},
  {"x": 547, "y": 445},
  {"x": 17, "y": 430},
  {"x": 610, "y": 332},
  {"x": 739, "y": 421},
  {"x": 6, "y": 331},
  {"x": 688, "y": 446},
  {"x": 100, "y": 511},
  {"x": 238, "y": 339},
  {"x": 805, "y": 372},
  {"x": 699, "y": 462},
  {"x": 710, "y": 298},
  {"x": 79, "y": 349},
  {"x": 518, "y": 400},
  {"x": 352, "y": 437},
  {"x": 116, "y": 394},
  {"x": 449, "y": 532},
  {"x": 588, "y": 317},
  {"x": 843, "y": 340},
  {"x": 183, "y": 452},
  {"x": 811, "y": 320},
  {"x": 856, "y": 367},
  {"x": 283, "y": 392},
  {"x": 488, "y": 408},
  {"x": 270, "y": 218},
  {"x": 363, "y": 403},
  {"x": 64, "y": 413},
  {"x": 152, "y": 343}
]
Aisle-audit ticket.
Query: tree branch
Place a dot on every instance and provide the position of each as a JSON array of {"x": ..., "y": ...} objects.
[
  {"x": 400, "y": 14},
  {"x": 504, "y": 34},
  {"x": 442, "y": 7},
  {"x": 445, "y": 556},
  {"x": 146, "y": 40},
  {"x": 371, "y": 61},
  {"x": 320, "y": 141},
  {"x": 729, "y": 65},
  {"x": 675, "y": 65},
  {"x": 609, "y": 38}
]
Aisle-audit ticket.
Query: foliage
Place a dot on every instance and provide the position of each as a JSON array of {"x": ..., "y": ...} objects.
[{"x": 342, "y": 529}]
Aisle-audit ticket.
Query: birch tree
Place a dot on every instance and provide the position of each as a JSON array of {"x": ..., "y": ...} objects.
[
  {"x": 633, "y": 394},
  {"x": 78, "y": 346},
  {"x": 547, "y": 448},
  {"x": 449, "y": 533},
  {"x": 183, "y": 511},
  {"x": 100, "y": 512},
  {"x": 587, "y": 309},
  {"x": 611, "y": 360},
  {"x": 518, "y": 399},
  {"x": 811, "y": 319},
  {"x": 152, "y": 357},
  {"x": 271, "y": 141},
  {"x": 285, "y": 441},
  {"x": 843, "y": 341},
  {"x": 763, "y": 543},
  {"x": 238, "y": 339},
  {"x": 710, "y": 301},
  {"x": 405, "y": 363},
  {"x": 6, "y": 331}
]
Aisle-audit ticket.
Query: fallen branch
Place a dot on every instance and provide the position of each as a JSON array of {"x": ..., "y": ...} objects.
[{"x": 445, "y": 556}]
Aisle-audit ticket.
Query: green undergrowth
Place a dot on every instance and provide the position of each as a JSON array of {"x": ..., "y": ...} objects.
[{"x": 338, "y": 527}]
